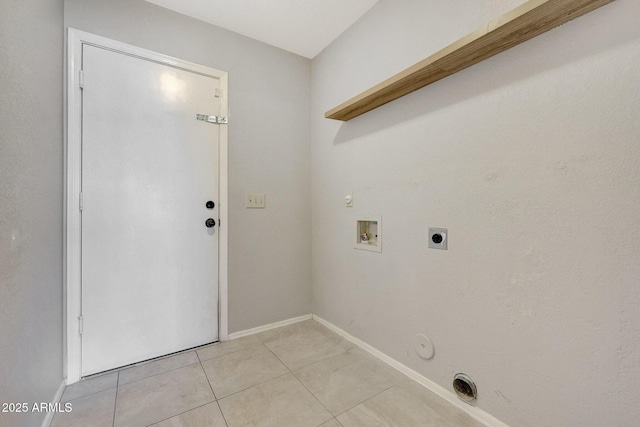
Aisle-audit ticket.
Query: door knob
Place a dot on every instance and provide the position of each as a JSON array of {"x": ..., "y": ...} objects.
[
  {"x": 210, "y": 223},
  {"x": 210, "y": 205}
]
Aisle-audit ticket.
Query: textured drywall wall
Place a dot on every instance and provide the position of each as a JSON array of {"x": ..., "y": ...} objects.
[
  {"x": 531, "y": 159},
  {"x": 269, "y": 148},
  {"x": 31, "y": 51}
]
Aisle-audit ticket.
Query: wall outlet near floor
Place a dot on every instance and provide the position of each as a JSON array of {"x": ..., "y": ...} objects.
[
  {"x": 438, "y": 238},
  {"x": 256, "y": 200}
]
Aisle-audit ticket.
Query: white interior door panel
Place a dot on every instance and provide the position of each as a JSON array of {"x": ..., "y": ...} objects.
[{"x": 149, "y": 263}]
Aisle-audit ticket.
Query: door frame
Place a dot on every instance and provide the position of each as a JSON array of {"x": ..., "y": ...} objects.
[{"x": 72, "y": 290}]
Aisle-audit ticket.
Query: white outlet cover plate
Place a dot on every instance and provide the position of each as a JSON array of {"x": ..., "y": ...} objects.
[{"x": 423, "y": 346}]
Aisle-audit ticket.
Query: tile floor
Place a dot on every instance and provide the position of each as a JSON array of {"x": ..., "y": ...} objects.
[{"x": 298, "y": 375}]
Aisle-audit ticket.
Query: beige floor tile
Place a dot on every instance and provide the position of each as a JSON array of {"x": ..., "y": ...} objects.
[
  {"x": 278, "y": 403},
  {"x": 444, "y": 408},
  {"x": 95, "y": 410},
  {"x": 304, "y": 343},
  {"x": 208, "y": 415},
  {"x": 255, "y": 388},
  {"x": 89, "y": 386},
  {"x": 222, "y": 348},
  {"x": 159, "y": 366},
  {"x": 162, "y": 396},
  {"x": 399, "y": 407},
  {"x": 331, "y": 423},
  {"x": 243, "y": 369},
  {"x": 348, "y": 379}
]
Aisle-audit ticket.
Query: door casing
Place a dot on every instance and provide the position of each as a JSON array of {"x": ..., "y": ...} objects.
[{"x": 72, "y": 224}]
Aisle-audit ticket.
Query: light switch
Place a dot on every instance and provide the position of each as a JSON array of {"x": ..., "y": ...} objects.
[{"x": 255, "y": 200}]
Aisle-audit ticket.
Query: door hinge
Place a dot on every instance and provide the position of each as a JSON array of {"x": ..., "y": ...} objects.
[
  {"x": 218, "y": 93},
  {"x": 80, "y": 324},
  {"x": 212, "y": 119},
  {"x": 81, "y": 79},
  {"x": 81, "y": 202}
]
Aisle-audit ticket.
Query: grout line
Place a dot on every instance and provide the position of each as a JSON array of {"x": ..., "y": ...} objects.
[
  {"x": 184, "y": 412},
  {"x": 315, "y": 397},
  {"x": 115, "y": 402},
  {"x": 343, "y": 350},
  {"x": 255, "y": 385},
  {"x": 231, "y": 352},
  {"x": 215, "y": 398},
  {"x": 263, "y": 382},
  {"x": 324, "y": 360},
  {"x": 146, "y": 361},
  {"x": 279, "y": 360},
  {"x": 159, "y": 373},
  {"x": 223, "y": 417},
  {"x": 89, "y": 394},
  {"x": 306, "y": 388},
  {"x": 371, "y": 359},
  {"x": 212, "y": 392},
  {"x": 366, "y": 400},
  {"x": 321, "y": 360},
  {"x": 118, "y": 370},
  {"x": 395, "y": 382}
]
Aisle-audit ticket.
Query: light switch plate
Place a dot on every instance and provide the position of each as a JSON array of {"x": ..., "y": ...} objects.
[{"x": 255, "y": 201}]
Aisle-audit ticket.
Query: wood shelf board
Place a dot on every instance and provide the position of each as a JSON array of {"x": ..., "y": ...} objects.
[{"x": 517, "y": 26}]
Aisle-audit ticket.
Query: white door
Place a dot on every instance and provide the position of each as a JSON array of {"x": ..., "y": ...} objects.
[{"x": 149, "y": 261}]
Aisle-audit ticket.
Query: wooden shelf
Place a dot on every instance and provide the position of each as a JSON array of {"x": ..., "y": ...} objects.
[{"x": 522, "y": 23}]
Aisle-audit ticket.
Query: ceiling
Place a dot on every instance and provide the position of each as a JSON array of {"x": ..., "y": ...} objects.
[{"x": 304, "y": 27}]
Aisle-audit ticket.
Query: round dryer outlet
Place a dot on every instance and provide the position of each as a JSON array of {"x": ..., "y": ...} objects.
[{"x": 423, "y": 346}]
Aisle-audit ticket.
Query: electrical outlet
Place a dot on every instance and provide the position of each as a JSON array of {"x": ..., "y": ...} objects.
[{"x": 438, "y": 238}]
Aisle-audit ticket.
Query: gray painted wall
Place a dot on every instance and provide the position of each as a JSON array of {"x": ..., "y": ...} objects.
[
  {"x": 531, "y": 160},
  {"x": 31, "y": 53},
  {"x": 269, "y": 149}
]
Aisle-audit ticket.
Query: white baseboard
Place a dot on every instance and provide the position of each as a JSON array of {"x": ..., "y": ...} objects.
[
  {"x": 476, "y": 413},
  {"x": 56, "y": 399},
  {"x": 263, "y": 328}
]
